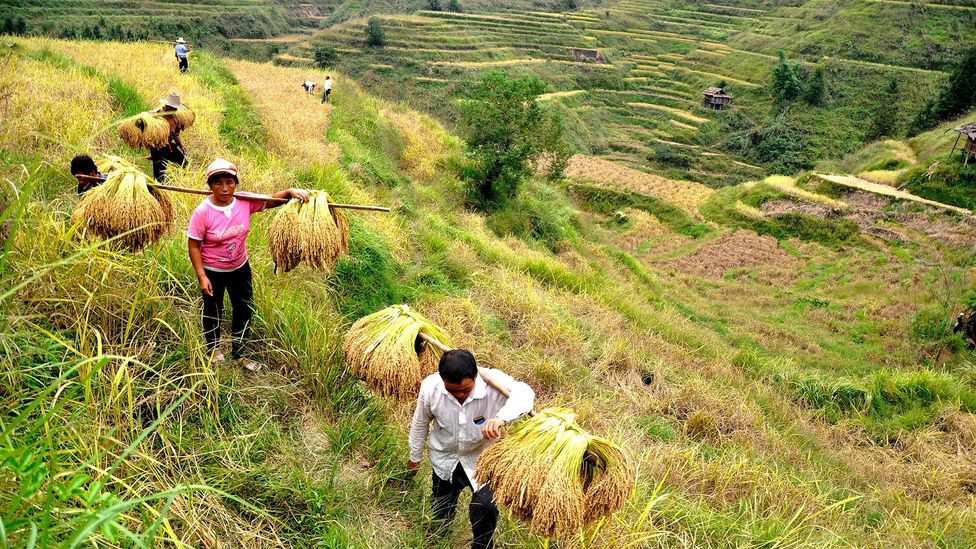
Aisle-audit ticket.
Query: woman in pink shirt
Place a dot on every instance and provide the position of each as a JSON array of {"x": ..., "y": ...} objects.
[{"x": 216, "y": 240}]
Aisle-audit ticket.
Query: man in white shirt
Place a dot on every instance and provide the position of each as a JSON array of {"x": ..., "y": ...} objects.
[
  {"x": 327, "y": 89},
  {"x": 309, "y": 86},
  {"x": 467, "y": 413}
]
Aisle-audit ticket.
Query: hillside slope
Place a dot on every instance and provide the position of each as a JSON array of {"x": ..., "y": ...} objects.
[
  {"x": 784, "y": 375},
  {"x": 643, "y": 107}
]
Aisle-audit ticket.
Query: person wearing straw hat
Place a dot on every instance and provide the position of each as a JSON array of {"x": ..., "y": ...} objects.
[
  {"x": 182, "y": 50},
  {"x": 467, "y": 414},
  {"x": 173, "y": 152},
  {"x": 216, "y": 238}
]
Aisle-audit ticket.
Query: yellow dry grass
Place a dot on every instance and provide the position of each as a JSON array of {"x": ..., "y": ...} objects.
[
  {"x": 557, "y": 95},
  {"x": 41, "y": 112},
  {"x": 151, "y": 70},
  {"x": 685, "y": 194},
  {"x": 788, "y": 186},
  {"x": 425, "y": 142},
  {"x": 884, "y": 190},
  {"x": 296, "y": 121}
]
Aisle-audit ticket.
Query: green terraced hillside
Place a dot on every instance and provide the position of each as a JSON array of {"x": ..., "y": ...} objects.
[{"x": 643, "y": 106}]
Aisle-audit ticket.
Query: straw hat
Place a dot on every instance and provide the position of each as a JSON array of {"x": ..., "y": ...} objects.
[
  {"x": 180, "y": 40},
  {"x": 172, "y": 100}
]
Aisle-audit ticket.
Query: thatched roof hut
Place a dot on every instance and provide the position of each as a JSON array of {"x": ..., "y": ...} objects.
[
  {"x": 969, "y": 147},
  {"x": 716, "y": 98}
]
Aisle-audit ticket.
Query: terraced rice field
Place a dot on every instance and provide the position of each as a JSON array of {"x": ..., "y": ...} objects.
[{"x": 642, "y": 103}]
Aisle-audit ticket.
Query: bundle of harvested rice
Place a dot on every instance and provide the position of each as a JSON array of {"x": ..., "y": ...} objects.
[
  {"x": 124, "y": 204},
  {"x": 183, "y": 118},
  {"x": 554, "y": 475},
  {"x": 308, "y": 231},
  {"x": 385, "y": 350},
  {"x": 144, "y": 130}
]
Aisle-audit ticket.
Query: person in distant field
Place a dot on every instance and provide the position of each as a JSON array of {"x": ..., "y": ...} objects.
[
  {"x": 182, "y": 50},
  {"x": 216, "y": 239},
  {"x": 83, "y": 165},
  {"x": 173, "y": 152},
  {"x": 309, "y": 86},
  {"x": 460, "y": 414},
  {"x": 327, "y": 89}
]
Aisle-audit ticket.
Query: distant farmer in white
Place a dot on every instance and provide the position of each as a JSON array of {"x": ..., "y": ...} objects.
[
  {"x": 309, "y": 86},
  {"x": 182, "y": 50},
  {"x": 328, "y": 89},
  {"x": 466, "y": 413}
]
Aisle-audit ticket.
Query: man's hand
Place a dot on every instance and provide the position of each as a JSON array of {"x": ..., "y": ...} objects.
[
  {"x": 300, "y": 194},
  {"x": 413, "y": 466},
  {"x": 492, "y": 428},
  {"x": 205, "y": 286}
]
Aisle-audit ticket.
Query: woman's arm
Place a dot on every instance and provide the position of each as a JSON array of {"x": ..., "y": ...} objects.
[
  {"x": 196, "y": 258},
  {"x": 300, "y": 194}
]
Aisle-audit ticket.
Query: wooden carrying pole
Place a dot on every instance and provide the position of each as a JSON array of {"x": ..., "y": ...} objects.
[
  {"x": 485, "y": 374},
  {"x": 244, "y": 196}
]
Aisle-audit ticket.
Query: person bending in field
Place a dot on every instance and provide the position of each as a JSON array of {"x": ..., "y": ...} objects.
[
  {"x": 327, "y": 89},
  {"x": 182, "y": 51},
  {"x": 309, "y": 86},
  {"x": 83, "y": 169},
  {"x": 216, "y": 239},
  {"x": 173, "y": 152},
  {"x": 467, "y": 414}
]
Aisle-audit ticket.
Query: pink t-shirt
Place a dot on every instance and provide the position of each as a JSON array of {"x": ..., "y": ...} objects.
[{"x": 222, "y": 232}]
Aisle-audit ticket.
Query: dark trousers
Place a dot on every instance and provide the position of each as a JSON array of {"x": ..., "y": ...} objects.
[
  {"x": 238, "y": 285},
  {"x": 184, "y": 63},
  {"x": 482, "y": 511},
  {"x": 325, "y": 96}
]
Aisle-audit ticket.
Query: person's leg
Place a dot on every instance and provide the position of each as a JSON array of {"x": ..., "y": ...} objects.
[
  {"x": 327, "y": 94},
  {"x": 446, "y": 493},
  {"x": 213, "y": 308},
  {"x": 484, "y": 518},
  {"x": 184, "y": 64},
  {"x": 241, "y": 293}
]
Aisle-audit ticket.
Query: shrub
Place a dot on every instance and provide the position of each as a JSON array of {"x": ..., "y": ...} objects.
[
  {"x": 375, "y": 35},
  {"x": 325, "y": 55},
  {"x": 673, "y": 156},
  {"x": 785, "y": 84},
  {"x": 454, "y": 5},
  {"x": 506, "y": 131},
  {"x": 539, "y": 212}
]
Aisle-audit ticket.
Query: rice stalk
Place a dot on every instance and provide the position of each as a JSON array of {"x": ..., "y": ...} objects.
[
  {"x": 124, "y": 205},
  {"x": 385, "y": 350},
  {"x": 551, "y": 473},
  {"x": 144, "y": 130},
  {"x": 308, "y": 231}
]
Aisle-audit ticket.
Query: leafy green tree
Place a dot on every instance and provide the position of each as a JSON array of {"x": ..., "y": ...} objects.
[
  {"x": 785, "y": 83},
  {"x": 507, "y": 132},
  {"x": 325, "y": 55},
  {"x": 816, "y": 87},
  {"x": 20, "y": 26},
  {"x": 884, "y": 123},
  {"x": 454, "y": 5},
  {"x": 955, "y": 99},
  {"x": 434, "y": 5},
  {"x": 375, "y": 35}
]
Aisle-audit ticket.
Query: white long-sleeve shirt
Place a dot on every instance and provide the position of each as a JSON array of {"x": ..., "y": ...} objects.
[{"x": 454, "y": 436}]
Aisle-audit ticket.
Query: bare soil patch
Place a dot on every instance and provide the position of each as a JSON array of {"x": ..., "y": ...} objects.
[{"x": 735, "y": 250}]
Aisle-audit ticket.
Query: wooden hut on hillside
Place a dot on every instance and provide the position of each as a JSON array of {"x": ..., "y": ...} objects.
[
  {"x": 969, "y": 147},
  {"x": 584, "y": 55},
  {"x": 716, "y": 98}
]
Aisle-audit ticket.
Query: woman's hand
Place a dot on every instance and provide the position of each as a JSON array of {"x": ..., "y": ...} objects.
[
  {"x": 205, "y": 286},
  {"x": 300, "y": 194}
]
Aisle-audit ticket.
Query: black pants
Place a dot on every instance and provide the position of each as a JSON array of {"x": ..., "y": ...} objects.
[
  {"x": 325, "y": 96},
  {"x": 238, "y": 285},
  {"x": 163, "y": 157},
  {"x": 483, "y": 511},
  {"x": 184, "y": 63}
]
